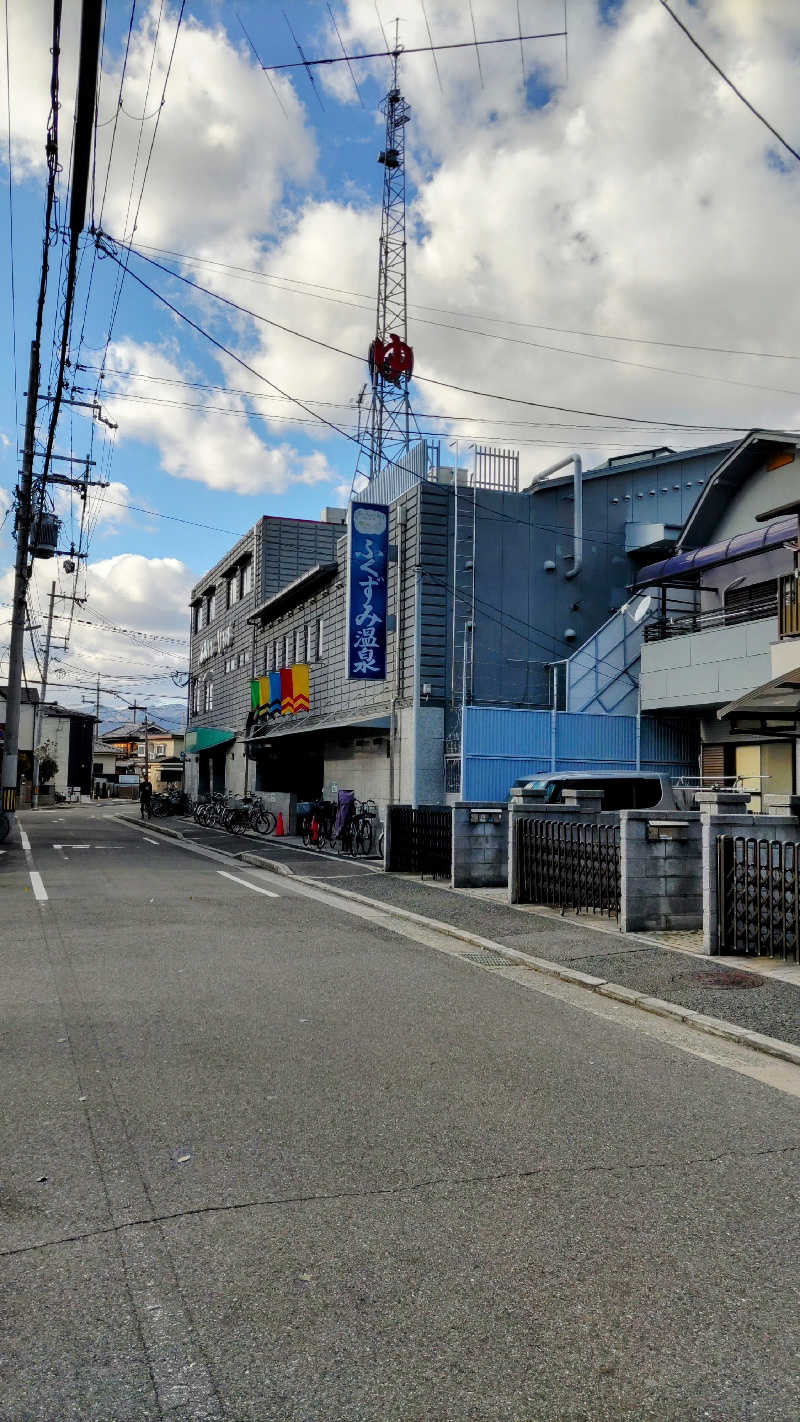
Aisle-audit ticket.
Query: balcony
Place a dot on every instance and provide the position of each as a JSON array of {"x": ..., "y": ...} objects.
[
  {"x": 662, "y": 628},
  {"x": 789, "y": 606},
  {"x": 707, "y": 659}
]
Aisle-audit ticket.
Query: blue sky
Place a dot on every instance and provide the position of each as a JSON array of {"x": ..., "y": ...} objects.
[{"x": 599, "y": 226}]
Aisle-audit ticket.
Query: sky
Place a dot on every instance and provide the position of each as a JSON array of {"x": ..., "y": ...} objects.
[{"x": 596, "y": 223}]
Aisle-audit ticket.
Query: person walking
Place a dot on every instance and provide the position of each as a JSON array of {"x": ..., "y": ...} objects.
[{"x": 145, "y": 799}]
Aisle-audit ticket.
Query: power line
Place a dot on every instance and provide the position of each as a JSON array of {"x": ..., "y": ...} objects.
[
  {"x": 337, "y": 350},
  {"x": 348, "y": 405},
  {"x": 272, "y": 278},
  {"x": 729, "y": 82},
  {"x": 472, "y": 420},
  {"x": 11, "y": 236}
]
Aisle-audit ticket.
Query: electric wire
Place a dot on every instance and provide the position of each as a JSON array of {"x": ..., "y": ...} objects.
[
  {"x": 729, "y": 82},
  {"x": 272, "y": 278},
  {"x": 337, "y": 350},
  {"x": 11, "y": 246}
]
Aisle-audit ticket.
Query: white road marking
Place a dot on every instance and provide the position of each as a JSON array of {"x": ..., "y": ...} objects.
[
  {"x": 74, "y": 846},
  {"x": 149, "y": 840},
  {"x": 39, "y": 890},
  {"x": 38, "y": 887},
  {"x": 247, "y": 885}
]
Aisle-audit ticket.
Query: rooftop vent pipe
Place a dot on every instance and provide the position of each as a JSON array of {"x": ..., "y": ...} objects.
[{"x": 577, "y": 487}]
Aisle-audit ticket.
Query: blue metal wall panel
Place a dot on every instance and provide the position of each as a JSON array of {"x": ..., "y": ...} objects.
[
  {"x": 503, "y": 744},
  {"x": 595, "y": 739},
  {"x": 491, "y": 780}
]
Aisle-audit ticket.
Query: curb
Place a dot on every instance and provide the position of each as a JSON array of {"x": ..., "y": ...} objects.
[
  {"x": 711, "y": 1026},
  {"x": 157, "y": 829},
  {"x": 259, "y": 862},
  {"x": 698, "y": 1021}
]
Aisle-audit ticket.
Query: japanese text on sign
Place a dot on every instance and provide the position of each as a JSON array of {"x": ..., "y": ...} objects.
[{"x": 367, "y": 592}]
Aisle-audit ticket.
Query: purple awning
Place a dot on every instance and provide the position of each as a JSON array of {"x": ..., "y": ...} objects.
[{"x": 694, "y": 560}]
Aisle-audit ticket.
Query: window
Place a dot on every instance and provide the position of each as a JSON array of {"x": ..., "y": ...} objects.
[
  {"x": 160, "y": 749},
  {"x": 300, "y": 644},
  {"x": 311, "y": 642},
  {"x": 247, "y": 577},
  {"x": 749, "y": 603},
  {"x": 277, "y": 653},
  {"x": 208, "y": 699},
  {"x": 140, "y": 748},
  {"x": 201, "y": 617},
  {"x": 269, "y": 656},
  {"x": 196, "y": 698},
  {"x": 196, "y": 611},
  {"x": 320, "y": 638},
  {"x": 233, "y": 589},
  {"x": 211, "y": 607},
  {"x": 287, "y": 649}
]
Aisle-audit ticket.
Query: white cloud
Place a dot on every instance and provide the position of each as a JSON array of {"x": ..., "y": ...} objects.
[
  {"x": 224, "y": 150},
  {"x": 106, "y": 509},
  {"x": 642, "y": 200},
  {"x": 129, "y": 591},
  {"x": 213, "y": 443}
]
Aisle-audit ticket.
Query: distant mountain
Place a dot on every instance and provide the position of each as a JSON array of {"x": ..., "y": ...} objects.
[{"x": 171, "y": 715}]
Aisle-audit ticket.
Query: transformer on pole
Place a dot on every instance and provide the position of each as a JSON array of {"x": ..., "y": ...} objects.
[{"x": 391, "y": 360}]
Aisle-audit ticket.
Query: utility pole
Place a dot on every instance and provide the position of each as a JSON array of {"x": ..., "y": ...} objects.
[
  {"x": 134, "y": 707},
  {"x": 38, "y": 719},
  {"x": 19, "y": 604},
  {"x": 82, "y": 152}
]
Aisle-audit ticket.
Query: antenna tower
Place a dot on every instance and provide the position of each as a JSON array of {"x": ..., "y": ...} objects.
[{"x": 391, "y": 360}]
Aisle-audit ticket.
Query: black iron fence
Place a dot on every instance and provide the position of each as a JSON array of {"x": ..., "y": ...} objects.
[
  {"x": 568, "y": 866},
  {"x": 758, "y": 891},
  {"x": 421, "y": 841},
  {"x": 660, "y": 628}
]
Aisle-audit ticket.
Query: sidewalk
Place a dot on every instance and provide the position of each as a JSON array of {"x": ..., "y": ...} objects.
[{"x": 728, "y": 989}]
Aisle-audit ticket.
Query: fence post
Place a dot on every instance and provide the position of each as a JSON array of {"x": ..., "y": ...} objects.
[
  {"x": 522, "y": 802},
  {"x": 716, "y": 807}
]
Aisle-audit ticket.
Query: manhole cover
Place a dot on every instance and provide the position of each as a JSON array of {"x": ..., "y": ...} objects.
[
  {"x": 488, "y": 959},
  {"x": 722, "y": 978}
]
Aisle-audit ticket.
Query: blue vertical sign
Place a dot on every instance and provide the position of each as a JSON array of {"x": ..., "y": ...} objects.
[{"x": 368, "y": 549}]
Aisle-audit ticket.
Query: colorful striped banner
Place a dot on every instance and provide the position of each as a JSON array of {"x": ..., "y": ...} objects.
[{"x": 281, "y": 693}]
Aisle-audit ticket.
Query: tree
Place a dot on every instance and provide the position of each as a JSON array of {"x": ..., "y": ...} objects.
[{"x": 48, "y": 765}]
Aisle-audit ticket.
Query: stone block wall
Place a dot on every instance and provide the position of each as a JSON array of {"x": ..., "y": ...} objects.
[
  {"x": 480, "y": 850},
  {"x": 661, "y": 878}
]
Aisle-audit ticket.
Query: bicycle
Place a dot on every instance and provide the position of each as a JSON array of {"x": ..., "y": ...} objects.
[{"x": 362, "y": 834}]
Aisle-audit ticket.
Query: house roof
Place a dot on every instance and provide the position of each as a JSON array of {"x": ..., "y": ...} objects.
[
  {"x": 29, "y": 696},
  {"x": 690, "y": 562},
  {"x": 134, "y": 731},
  {"x": 295, "y": 592},
  {"x": 773, "y": 706},
  {"x": 726, "y": 480}
]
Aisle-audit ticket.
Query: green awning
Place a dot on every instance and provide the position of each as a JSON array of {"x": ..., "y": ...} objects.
[{"x": 205, "y": 738}]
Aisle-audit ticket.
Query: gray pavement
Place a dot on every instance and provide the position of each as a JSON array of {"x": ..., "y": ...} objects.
[
  {"x": 264, "y": 1160},
  {"x": 754, "y": 1002}
]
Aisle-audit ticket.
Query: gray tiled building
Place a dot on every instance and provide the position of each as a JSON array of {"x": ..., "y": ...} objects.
[{"x": 489, "y": 587}]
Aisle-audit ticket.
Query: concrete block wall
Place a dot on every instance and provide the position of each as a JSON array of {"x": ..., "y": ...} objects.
[
  {"x": 661, "y": 879},
  {"x": 480, "y": 851}
]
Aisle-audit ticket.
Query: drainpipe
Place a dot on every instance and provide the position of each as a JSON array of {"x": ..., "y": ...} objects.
[
  {"x": 417, "y": 683},
  {"x": 577, "y": 516}
]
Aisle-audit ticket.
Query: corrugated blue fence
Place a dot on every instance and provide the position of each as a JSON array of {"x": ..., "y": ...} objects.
[{"x": 501, "y": 745}]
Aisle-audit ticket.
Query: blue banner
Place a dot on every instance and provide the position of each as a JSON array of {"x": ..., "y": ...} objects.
[{"x": 368, "y": 556}]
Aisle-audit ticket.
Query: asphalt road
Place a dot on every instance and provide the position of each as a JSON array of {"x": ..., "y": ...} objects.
[{"x": 265, "y": 1158}]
